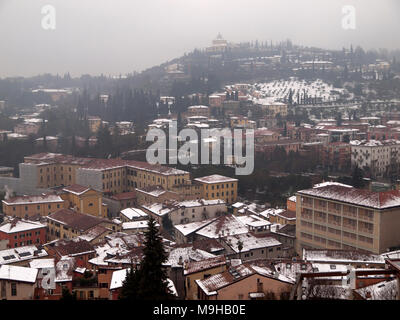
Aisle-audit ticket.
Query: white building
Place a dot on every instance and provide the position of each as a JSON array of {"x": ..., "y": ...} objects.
[
  {"x": 186, "y": 211},
  {"x": 375, "y": 156}
]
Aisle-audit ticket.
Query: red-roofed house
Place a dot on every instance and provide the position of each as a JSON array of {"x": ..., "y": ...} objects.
[{"x": 21, "y": 232}]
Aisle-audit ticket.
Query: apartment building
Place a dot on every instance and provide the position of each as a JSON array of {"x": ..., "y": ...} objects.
[
  {"x": 335, "y": 216},
  {"x": 110, "y": 176},
  {"x": 275, "y": 108},
  {"x": 218, "y": 187},
  {"x": 336, "y": 156},
  {"x": 17, "y": 283},
  {"x": 67, "y": 224},
  {"x": 200, "y": 270},
  {"x": 28, "y": 206},
  {"x": 200, "y": 110},
  {"x": 376, "y": 157},
  {"x": 186, "y": 211},
  {"x": 20, "y": 232},
  {"x": 248, "y": 281}
]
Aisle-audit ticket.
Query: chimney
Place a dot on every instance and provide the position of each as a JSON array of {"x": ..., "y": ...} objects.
[{"x": 180, "y": 261}]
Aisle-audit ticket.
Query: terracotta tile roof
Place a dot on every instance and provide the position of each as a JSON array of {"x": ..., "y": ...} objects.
[
  {"x": 366, "y": 198},
  {"x": 76, "y": 188},
  {"x": 76, "y": 220},
  {"x": 45, "y": 198},
  {"x": 197, "y": 266},
  {"x": 209, "y": 245},
  {"x": 288, "y": 214},
  {"x": 124, "y": 196},
  {"x": 100, "y": 164},
  {"x": 72, "y": 247}
]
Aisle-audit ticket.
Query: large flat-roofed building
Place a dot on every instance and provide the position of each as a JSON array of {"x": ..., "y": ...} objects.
[
  {"x": 111, "y": 176},
  {"x": 336, "y": 216},
  {"x": 379, "y": 158},
  {"x": 28, "y": 206},
  {"x": 218, "y": 187}
]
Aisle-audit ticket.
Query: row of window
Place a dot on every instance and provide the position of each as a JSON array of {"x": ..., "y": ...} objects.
[
  {"x": 222, "y": 186},
  {"x": 54, "y": 169},
  {"x": 336, "y": 207},
  {"x": 25, "y": 243},
  {"x": 55, "y": 178},
  {"x": 352, "y": 236},
  {"x": 28, "y": 234}
]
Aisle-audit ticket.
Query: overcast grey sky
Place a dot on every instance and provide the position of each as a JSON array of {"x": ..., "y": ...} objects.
[{"x": 120, "y": 36}]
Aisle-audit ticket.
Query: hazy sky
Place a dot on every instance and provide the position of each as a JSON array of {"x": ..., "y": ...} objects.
[{"x": 120, "y": 36}]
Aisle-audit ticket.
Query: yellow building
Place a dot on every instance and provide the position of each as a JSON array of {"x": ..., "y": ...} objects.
[
  {"x": 242, "y": 122},
  {"x": 274, "y": 108},
  {"x": 67, "y": 224},
  {"x": 199, "y": 270},
  {"x": 110, "y": 176},
  {"x": 218, "y": 187},
  {"x": 28, "y": 206},
  {"x": 94, "y": 124},
  {"x": 336, "y": 216},
  {"x": 84, "y": 200}
]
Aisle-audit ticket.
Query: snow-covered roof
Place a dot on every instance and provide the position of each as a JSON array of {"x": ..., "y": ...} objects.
[
  {"x": 133, "y": 213},
  {"x": 118, "y": 278},
  {"x": 33, "y": 199},
  {"x": 20, "y": 254},
  {"x": 16, "y": 273},
  {"x": 197, "y": 266},
  {"x": 253, "y": 221},
  {"x": 215, "y": 178},
  {"x": 212, "y": 284},
  {"x": 198, "y": 107},
  {"x": 340, "y": 256},
  {"x": 374, "y": 143},
  {"x": 42, "y": 263},
  {"x": 136, "y": 225},
  {"x": 360, "y": 197},
  {"x": 20, "y": 225},
  {"x": 271, "y": 212},
  {"x": 223, "y": 226},
  {"x": 189, "y": 228},
  {"x": 330, "y": 183},
  {"x": 186, "y": 254},
  {"x": 250, "y": 242}
]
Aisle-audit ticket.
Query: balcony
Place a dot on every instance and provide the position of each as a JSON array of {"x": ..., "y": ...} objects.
[
  {"x": 319, "y": 219},
  {"x": 350, "y": 227},
  {"x": 337, "y": 223},
  {"x": 366, "y": 217},
  {"x": 350, "y": 214},
  {"x": 366, "y": 230}
]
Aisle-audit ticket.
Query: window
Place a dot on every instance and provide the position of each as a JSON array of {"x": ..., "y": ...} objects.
[{"x": 13, "y": 289}]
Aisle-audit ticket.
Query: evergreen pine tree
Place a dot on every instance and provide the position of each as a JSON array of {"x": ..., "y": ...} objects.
[
  {"x": 130, "y": 285},
  {"x": 149, "y": 281}
]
